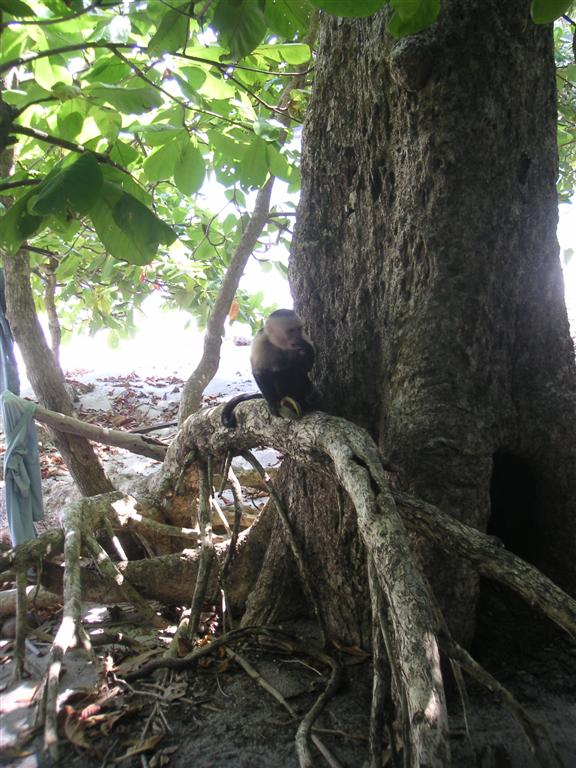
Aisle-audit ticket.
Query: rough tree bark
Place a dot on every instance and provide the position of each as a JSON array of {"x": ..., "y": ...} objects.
[
  {"x": 425, "y": 265},
  {"x": 43, "y": 369},
  {"x": 46, "y": 376}
]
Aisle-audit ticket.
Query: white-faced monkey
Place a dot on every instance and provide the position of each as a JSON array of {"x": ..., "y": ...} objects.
[{"x": 281, "y": 359}]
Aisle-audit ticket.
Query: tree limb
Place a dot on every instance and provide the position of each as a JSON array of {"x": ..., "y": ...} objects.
[
  {"x": 206, "y": 369},
  {"x": 144, "y": 446}
]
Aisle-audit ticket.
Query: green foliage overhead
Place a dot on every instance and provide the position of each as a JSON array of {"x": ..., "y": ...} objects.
[
  {"x": 352, "y": 8},
  {"x": 127, "y": 116},
  {"x": 128, "y": 229},
  {"x": 143, "y": 127},
  {"x": 288, "y": 18},
  {"x": 16, "y": 8},
  {"x": 18, "y": 224},
  {"x": 547, "y": 11},
  {"x": 74, "y": 188},
  {"x": 135, "y": 98},
  {"x": 172, "y": 32},
  {"x": 412, "y": 16},
  {"x": 189, "y": 170},
  {"x": 240, "y": 24}
]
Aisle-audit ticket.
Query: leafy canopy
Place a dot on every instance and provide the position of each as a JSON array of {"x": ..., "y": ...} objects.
[{"x": 140, "y": 130}]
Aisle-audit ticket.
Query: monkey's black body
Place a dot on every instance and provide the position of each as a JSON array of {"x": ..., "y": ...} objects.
[
  {"x": 282, "y": 373},
  {"x": 281, "y": 359}
]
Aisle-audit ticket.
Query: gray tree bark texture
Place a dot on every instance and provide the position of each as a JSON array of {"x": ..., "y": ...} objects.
[
  {"x": 425, "y": 266},
  {"x": 46, "y": 377}
]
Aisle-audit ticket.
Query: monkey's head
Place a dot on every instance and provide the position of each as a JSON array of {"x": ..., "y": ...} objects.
[{"x": 284, "y": 329}]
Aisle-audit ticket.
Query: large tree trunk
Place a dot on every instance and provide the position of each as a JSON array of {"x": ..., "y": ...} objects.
[
  {"x": 425, "y": 265},
  {"x": 46, "y": 376}
]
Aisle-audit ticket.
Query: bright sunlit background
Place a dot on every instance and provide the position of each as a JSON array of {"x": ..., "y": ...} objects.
[{"x": 169, "y": 341}]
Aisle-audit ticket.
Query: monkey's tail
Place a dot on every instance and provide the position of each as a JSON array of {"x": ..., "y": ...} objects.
[{"x": 228, "y": 415}]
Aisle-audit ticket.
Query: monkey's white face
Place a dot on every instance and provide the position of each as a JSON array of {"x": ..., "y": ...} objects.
[{"x": 285, "y": 333}]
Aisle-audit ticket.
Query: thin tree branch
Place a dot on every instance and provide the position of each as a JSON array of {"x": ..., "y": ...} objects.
[
  {"x": 22, "y": 183},
  {"x": 144, "y": 446},
  {"x": 31, "y": 57},
  {"x": 208, "y": 365},
  {"x": 34, "y": 133},
  {"x": 62, "y": 20},
  {"x": 184, "y": 104}
]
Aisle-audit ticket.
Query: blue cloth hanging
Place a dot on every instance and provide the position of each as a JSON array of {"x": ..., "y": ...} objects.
[{"x": 22, "y": 479}]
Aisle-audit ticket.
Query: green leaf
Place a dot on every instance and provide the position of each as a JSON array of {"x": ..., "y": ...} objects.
[
  {"x": 66, "y": 228},
  {"x": 18, "y": 224},
  {"x": 353, "y": 8},
  {"x": 160, "y": 164},
  {"x": 217, "y": 88},
  {"x": 65, "y": 92},
  {"x": 109, "y": 122},
  {"x": 68, "y": 266},
  {"x": 107, "y": 69},
  {"x": 291, "y": 53},
  {"x": 130, "y": 99},
  {"x": 195, "y": 77},
  {"x": 128, "y": 229},
  {"x": 267, "y": 129},
  {"x": 288, "y": 17},
  {"x": 547, "y": 11},
  {"x": 51, "y": 71},
  {"x": 70, "y": 125},
  {"x": 75, "y": 187},
  {"x": 125, "y": 182},
  {"x": 190, "y": 170},
  {"x": 253, "y": 169},
  {"x": 172, "y": 33},
  {"x": 191, "y": 81},
  {"x": 412, "y": 16},
  {"x": 16, "y": 8},
  {"x": 24, "y": 93},
  {"x": 157, "y": 134},
  {"x": 228, "y": 147},
  {"x": 278, "y": 163},
  {"x": 240, "y": 25},
  {"x": 123, "y": 154}
]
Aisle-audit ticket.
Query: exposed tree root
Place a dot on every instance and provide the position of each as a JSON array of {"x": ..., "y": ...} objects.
[
  {"x": 297, "y": 553},
  {"x": 36, "y": 598},
  {"x": 305, "y": 727},
  {"x": 71, "y": 633},
  {"x": 490, "y": 558},
  {"x": 536, "y": 734},
  {"x": 20, "y": 650},
  {"x": 408, "y": 625},
  {"x": 267, "y": 634}
]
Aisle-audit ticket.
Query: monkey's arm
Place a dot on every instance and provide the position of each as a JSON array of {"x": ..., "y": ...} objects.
[
  {"x": 307, "y": 354},
  {"x": 266, "y": 383}
]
